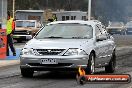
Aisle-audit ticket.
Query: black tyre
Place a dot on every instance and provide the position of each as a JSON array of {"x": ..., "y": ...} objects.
[
  {"x": 110, "y": 68},
  {"x": 19, "y": 40},
  {"x": 27, "y": 73},
  {"x": 90, "y": 69}
]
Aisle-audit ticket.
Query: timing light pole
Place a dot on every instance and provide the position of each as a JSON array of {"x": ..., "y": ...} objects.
[{"x": 89, "y": 9}]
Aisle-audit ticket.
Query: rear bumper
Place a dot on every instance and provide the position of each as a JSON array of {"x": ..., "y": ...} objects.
[{"x": 24, "y": 37}]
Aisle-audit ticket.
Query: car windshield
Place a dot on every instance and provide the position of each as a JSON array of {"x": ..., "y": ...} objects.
[
  {"x": 116, "y": 24},
  {"x": 129, "y": 24},
  {"x": 25, "y": 24},
  {"x": 66, "y": 31},
  {"x": 114, "y": 31}
]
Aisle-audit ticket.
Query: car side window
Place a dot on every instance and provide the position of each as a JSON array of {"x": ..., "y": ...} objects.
[
  {"x": 97, "y": 31},
  {"x": 103, "y": 31},
  {"x": 107, "y": 34}
]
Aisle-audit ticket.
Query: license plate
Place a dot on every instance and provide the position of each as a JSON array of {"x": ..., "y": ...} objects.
[{"x": 48, "y": 61}]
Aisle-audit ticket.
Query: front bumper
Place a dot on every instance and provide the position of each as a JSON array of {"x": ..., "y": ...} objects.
[
  {"x": 23, "y": 37},
  {"x": 63, "y": 62}
]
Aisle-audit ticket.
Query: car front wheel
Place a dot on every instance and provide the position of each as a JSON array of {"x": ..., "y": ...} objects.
[{"x": 90, "y": 69}]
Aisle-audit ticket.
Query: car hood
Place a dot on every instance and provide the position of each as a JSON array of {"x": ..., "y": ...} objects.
[{"x": 57, "y": 43}]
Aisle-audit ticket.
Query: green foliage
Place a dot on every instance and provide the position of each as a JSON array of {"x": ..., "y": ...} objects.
[{"x": 52, "y": 4}]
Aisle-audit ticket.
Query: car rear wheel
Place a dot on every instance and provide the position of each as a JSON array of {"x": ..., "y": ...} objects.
[
  {"x": 27, "y": 73},
  {"x": 110, "y": 68},
  {"x": 90, "y": 69}
]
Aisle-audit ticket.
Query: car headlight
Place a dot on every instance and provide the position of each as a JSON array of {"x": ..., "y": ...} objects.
[
  {"x": 75, "y": 52},
  {"x": 26, "y": 51},
  {"x": 28, "y": 32}
]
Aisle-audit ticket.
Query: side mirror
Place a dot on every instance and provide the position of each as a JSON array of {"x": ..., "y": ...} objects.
[{"x": 101, "y": 38}]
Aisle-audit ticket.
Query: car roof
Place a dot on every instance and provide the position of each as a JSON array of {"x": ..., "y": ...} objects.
[{"x": 91, "y": 22}]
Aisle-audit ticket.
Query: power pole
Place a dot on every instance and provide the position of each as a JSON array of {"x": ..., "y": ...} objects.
[
  {"x": 89, "y": 9},
  {"x": 13, "y": 8},
  {"x": 3, "y": 12},
  {"x": 47, "y": 2},
  {"x": 69, "y": 4}
]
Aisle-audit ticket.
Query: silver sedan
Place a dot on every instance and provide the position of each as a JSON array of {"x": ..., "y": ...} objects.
[{"x": 66, "y": 45}]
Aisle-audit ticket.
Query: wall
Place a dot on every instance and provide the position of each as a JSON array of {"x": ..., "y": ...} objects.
[
  {"x": 25, "y": 15},
  {"x": 21, "y": 15},
  {"x": 78, "y": 14}
]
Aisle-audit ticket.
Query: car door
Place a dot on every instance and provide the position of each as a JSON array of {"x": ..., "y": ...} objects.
[
  {"x": 101, "y": 47},
  {"x": 111, "y": 46},
  {"x": 108, "y": 45}
]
